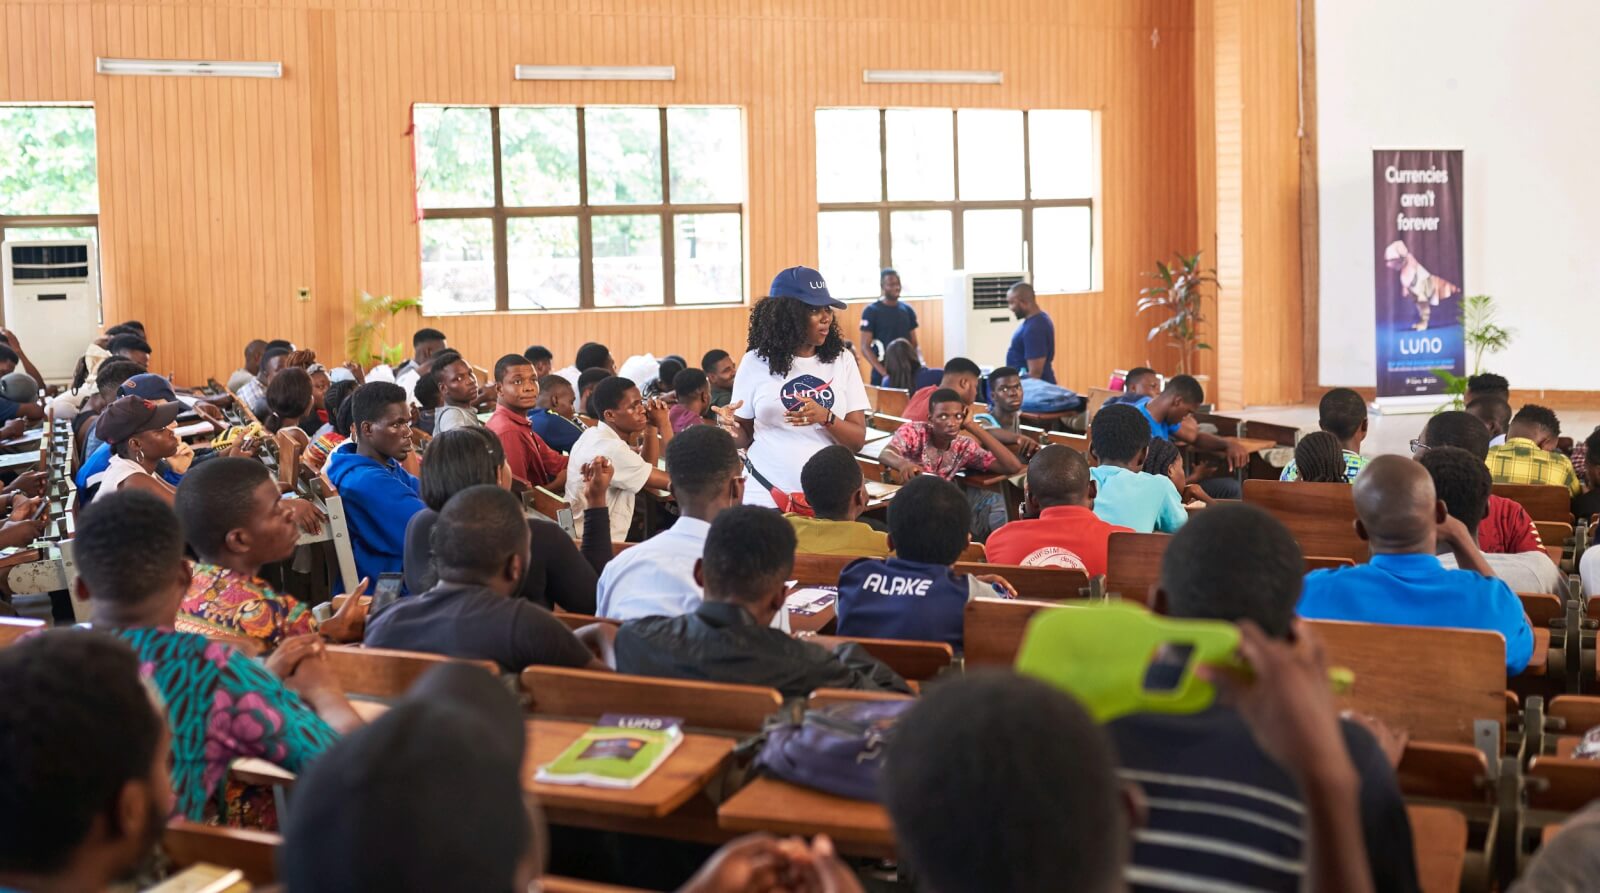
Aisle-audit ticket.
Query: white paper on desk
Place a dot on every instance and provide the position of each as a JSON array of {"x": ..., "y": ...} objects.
[
  {"x": 33, "y": 436},
  {"x": 192, "y": 430},
  {"x": 187, "y": 400},
  {"x": 810, "y": 600},
  {"x": 874, "y": 449},
  {"x": 881, "y": 489},
  {"x": 12, "y": 460}
]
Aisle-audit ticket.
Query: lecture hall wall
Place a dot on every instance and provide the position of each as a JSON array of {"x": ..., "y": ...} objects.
[{"x": 220, "y": 198}]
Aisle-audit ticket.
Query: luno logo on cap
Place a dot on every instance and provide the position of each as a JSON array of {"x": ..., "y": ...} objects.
[
  {"x": 819, "y": 284},
  {"x": 801, "y": 386}
]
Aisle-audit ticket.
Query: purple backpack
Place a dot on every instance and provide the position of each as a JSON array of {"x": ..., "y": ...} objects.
[{"x": 838, "y": 749}]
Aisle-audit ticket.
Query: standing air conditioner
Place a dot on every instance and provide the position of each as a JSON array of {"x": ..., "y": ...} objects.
[
  {"x": 977, "y": 324},
  {"x": 52, "y": 300}
]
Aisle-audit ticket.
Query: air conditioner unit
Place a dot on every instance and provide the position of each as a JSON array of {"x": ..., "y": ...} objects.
[
  {"x": 52, "y": 300},
  {"x": 977, "y": 323}
]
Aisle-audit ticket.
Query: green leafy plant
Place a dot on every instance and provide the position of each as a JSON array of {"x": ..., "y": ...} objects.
[
  {"x": 1179, "y": 292},
  {"x": 1482, "y": 335},
  {"x": 364, "y": 342}
]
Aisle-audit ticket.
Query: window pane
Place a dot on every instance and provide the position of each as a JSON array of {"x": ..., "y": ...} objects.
[
  {"x": 48, "y": 166},
  {"x": 457, "y": 265},
  {"x": 990, "y": 154},
  {"x": 992, "y": 241},
  {"x": 539, "y": 156},
  {"x": 705, "y": 149},
  {"x": 707, "y": 259},
  {"x": 627, "y": 260},
  {"x": 455, "y": 157},
  {"x": 921, "y": 155},
  {"x": 1062, "y": 248},
  {"x": 48, "y": 233},
  {"x": 624, "y": 146},
  {"x": 920, "y": 250},
  {"x": 1061, "y": 153},
  {"x": 849, "y": 165},
  {"x": 542, "y": 262},
  {"x": 847, "y": 252}
]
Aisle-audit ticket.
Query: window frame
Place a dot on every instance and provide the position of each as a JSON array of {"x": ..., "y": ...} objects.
[
  {"x": 584, "y": 212},
  {"x": 1027, "y": 204}
]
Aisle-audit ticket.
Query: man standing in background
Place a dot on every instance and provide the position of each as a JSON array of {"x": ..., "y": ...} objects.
[{"x": 885, "y": 320}]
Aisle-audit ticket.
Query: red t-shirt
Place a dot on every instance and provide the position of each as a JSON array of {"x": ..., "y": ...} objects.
[
  {"x": 1508, "y": 528},
  {"x": 531, "y": 459},
  {"x": 917, "y": 406},
  {"x": 1062, "y": 536}
]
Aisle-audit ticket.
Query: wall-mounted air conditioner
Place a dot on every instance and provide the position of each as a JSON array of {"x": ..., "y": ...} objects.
[
  {"x": 977, "y": 324},
  {"x": 52, "y": 300}
]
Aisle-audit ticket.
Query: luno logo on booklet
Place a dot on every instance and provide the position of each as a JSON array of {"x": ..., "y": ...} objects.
[{"x": 802, "y": 386}]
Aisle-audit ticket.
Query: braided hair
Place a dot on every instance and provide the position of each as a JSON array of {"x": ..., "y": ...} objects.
[
  {"x": 1320, "y": 459},
  {"x": 779, "y": 326}
]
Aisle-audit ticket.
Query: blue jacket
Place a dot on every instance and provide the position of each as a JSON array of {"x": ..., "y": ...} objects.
[
  {"x": 892, "y": 598},
  {"x": 379, "y": 500}
]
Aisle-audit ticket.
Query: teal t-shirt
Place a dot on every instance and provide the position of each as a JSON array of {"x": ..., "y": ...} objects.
[{"x": 1146, "y": 503}]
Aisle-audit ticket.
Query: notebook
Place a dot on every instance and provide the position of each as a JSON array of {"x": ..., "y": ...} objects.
[{"x": 619, "y": 753}]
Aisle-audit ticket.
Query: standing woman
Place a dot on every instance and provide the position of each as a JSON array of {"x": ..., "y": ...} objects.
[{"x": 798, "y": 388}]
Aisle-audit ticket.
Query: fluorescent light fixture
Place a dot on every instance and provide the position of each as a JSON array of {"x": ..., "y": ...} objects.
[
  {"x": 189, "y": 68},
  {"x": 929, "y": 76},
  {"x": 596, "y": 73}
]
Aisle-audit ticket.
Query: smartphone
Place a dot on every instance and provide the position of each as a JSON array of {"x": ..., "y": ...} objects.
[
  {"x": 42, "y": 510},
  {"x": 387, "y": 590}
]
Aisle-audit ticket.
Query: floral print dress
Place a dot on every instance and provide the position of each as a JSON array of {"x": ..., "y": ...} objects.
[{"x": 221, "y": 601}]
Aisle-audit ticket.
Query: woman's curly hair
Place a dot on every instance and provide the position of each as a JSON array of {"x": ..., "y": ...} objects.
[{"x": 780, "y": 325}]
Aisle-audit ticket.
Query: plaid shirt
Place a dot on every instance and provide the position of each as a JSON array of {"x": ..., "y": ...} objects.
[{"x": 1520, "y": 461}]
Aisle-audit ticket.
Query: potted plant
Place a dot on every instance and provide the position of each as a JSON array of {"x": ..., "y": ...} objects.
[
  {"x": 1482, "y": 335},
  {"x": 364, "y": 343},
  {"x": 1178, "y": 291}
]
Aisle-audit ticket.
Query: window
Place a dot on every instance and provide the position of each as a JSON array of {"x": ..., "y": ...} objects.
[
  {"x": 48, "y": 185},
  {"x": 562, "y": 208},
  {"x": 927, "y": 191}
]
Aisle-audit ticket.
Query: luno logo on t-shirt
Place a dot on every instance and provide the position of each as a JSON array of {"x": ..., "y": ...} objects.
[
  {"x": 806, "y": 386},
  {"x": 1054, "y": 556}
]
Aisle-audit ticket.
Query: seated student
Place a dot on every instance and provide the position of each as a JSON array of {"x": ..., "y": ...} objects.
[
  {"x": 555, "y": 418},
  {"x": 935, "y": 447},
  {"x": 904, "y": 367},
  {"x": 1170, "y": 415},
  {"x": 1318, "y": 459},
  {"x": 1488, "y": 385},
  {"x": 480, "y": 550},
  {"x": 254, "y": 392},
  {"x": 557, "y": 573},
  {"x": 837, "y": 494},
  {"x": 916, "y": 594},
  {"x": 110, "y": 377},
  {"x": 666, "y": 373},
  {"x": 131, "y": 569},
  {"x": 19, "y": 398},
  {"x": 1004, "y": 418},
  {"x": 429, "y": 397},
  {"x": 1402, "y": 519},
  {"x": 719, "y": 369},
  {"x": 458, "y": 387},
  {"x": 140, "y": 435},
  {"x": 623, "y": 416},
  {"x": 149, "y": 386},
  {"x": 656, "y": 578},
  {"x": 329, "y": 436},
  {"x": 1162, "y": 459},
  {"x": 960, "y": 375},
  {"x": 425, "y": 344},
  {"x": 693, "y": 394},
  {"x": 252, "y": 364},
  {"x": 591, "y": 355},
  {"x": 1507, "y": 527},
  {"x": 1060, "y": 528},
  {"x": 587, "y": 382},
  {"x": 1462, "y": 484},
  {"x": 288, "y": 400},
  {"x": 541, "y": 358},
  {"x": 531, "y": 459},
  {"x": 235, "y": 521},
  {"x": 1529, "y": 455},
  {"x": 84, "y": 785},
  {"x": 1119, "y": 438},
  {"x": 1587, "y": 504},
  {"x": 729, "y": 637},
  {"x": 1141, "y": 381},
  {"x": 131, "y": 347},
  {"x": 1343, "y": 414},
  {"x": 1495, "y": 414},
  {"x": 13, "y": 356},
  {"x": 1236, "y": 563},
  {"x": 379, "y": 496}
]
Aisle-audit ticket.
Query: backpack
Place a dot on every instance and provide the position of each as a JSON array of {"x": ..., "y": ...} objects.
[{"x": 837, "y": 749}]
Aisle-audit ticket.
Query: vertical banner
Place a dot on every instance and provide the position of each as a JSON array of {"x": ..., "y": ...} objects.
[{"x": 1416, "y": 202}]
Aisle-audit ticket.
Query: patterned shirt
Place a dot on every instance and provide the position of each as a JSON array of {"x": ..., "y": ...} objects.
[
  {"x": 225, "y": 602},
  {"x": 1353, "y": 463},
  {"x": 221, "y": 706},
  {"x": 964, "y": 454},
  {"x": 1520, "y": 461},
  {"x": 254, "y": 395}
]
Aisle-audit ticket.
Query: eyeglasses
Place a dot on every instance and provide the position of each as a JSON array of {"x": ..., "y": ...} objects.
[{"x": 1418, "y": 446}]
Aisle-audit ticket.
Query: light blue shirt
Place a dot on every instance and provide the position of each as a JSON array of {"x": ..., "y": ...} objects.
[
  {"x": 1146, "y": 503},
  {"x": 656, "y": 577}
]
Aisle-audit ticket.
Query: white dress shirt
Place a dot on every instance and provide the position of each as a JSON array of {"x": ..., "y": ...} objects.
[{"x": 656, "y": 577}]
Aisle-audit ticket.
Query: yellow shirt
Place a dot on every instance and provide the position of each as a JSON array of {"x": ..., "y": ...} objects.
[
  {"x": 818, "y": 536},
  {"x": 1520, "y": 461}
]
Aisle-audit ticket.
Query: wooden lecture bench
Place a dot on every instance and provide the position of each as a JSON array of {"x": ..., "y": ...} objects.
[{"x": 859, "y": 828}]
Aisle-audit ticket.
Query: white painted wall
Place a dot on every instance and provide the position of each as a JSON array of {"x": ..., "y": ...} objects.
[{"x": 1514, "y": 84}]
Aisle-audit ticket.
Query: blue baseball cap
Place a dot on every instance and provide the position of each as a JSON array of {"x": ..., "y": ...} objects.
[
  {"x": 149, "y": 386},
  {"x": 803, "y": 284}
]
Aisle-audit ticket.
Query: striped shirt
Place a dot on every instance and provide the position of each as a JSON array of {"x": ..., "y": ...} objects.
[{"x": 1223, "y": 816}]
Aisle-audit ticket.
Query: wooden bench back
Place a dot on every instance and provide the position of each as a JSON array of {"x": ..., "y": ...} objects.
[
  {"x": 1553, "y": 533},
  {"x": 1542, "y": 607},
  {"x": 252, "y": 852},
  {"x": 14, "y": 628},
  {"x": 917, "y": 661},
  {"x": 1096, "y": 399},
  {"x": 1321, "y": 516},
  {"x": 992, "y": 630},
  {"x": 888, "y": 401},
  {"x": 586, "y": 694},
  {"x": 1037, "y": 583},
  {"x": 830, "y": 697},
  {"x": 386, "y": 672},
  {"x": 1078, "y": 442},
  {"x": 1544, "y": 502},
  {"x": 546, "y": 502},
  {"x": 1431, "y": 682},
  {"x": 1133, "y": 564},
  {"x": 579, "y": 621}
]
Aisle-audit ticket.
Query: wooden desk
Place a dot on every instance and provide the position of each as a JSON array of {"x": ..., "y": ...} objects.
[
  {"x": 820, "y": 622},
  {"x": 696, "y": 761},
  {"x": 858, "y": 828},
  {"x": 1439, "y": 841},
  {"x": 1538, "y": 663}
]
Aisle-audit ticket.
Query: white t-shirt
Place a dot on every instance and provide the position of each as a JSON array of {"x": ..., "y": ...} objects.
[
  {"x": 779, "y": 450},
  {"x": 629, "y": 474}
]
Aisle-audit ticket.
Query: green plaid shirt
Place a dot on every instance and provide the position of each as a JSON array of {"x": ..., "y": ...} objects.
[{"x": 1520, "y": 461}]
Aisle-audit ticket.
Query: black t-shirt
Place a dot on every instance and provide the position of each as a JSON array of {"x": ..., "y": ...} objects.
[
  {"x": 1222, "y": 812},
  {"x": 473, "y": 622},
  {"x": 558, "y": 573}
]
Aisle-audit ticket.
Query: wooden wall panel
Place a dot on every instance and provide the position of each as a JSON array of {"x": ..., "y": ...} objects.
[{"x": 221, "y": 198}]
